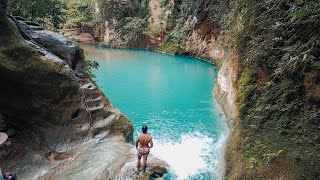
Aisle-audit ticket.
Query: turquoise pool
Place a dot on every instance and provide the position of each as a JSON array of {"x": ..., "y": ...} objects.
[{"x": 173, "y": 96}]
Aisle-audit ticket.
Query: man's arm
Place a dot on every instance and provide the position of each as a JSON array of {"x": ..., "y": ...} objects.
[
  {"x": 151, "y": 143},
  {"x": 137, "y": 142}
]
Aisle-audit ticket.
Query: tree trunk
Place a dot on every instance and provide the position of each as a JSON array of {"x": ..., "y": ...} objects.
[{"x": 91, "y": 32}]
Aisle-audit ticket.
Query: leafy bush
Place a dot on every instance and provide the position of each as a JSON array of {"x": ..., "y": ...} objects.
[
  {"x": 88, "y": 65},
  {"x": 49, "y": 13},
  {"x": 130, "y": 22},
  {"x": 169, "y": 47},
  {"x": 80, "y": 14}
]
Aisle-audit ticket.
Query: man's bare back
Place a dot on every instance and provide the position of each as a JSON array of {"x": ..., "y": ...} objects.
[{"x": 144, "y": 140}]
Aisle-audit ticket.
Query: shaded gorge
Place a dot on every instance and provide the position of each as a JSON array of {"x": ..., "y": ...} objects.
[{"x": 173, "y": 96}]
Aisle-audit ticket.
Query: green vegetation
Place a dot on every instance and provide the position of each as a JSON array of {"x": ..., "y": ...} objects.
[
  {"x": 54, "y": 14},
  {"x": 83, "y": 16},
  {"x": 88, "y": 65},
  {"x": 49, "y": 13},
  {"x": 79, "y": 14},
  {"x": 281, "y": 117},
  {"x": 246, "y": 87},
  {"x": 130, "y": 22},
  {"x": 169, "y": 47},
  {"x": 134, "y": 30},
  {"x": 182, "y": 21}
]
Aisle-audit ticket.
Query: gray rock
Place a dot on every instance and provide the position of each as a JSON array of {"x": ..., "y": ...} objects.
[
  {"x": 155, "y": 168},
  {"x": 56, "y": 43}
]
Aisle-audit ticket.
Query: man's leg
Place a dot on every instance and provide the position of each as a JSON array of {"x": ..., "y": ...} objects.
[
  {"x": 145, "y": 163},
  {"x": 139, "y": 162}
]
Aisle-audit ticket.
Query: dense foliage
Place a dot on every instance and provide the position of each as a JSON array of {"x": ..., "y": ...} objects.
[
  {"x": 88, "y": 66},
  {"x": 280, "y": 97},
  {"x": 80, "y": 14},
  {"x": 84, "y": 16},
  {"x": 55, "y": 14},
  {"x": 130, "y": 21},
  {"x": 186, "y": 16},
  {"x": 45, "y": 12}
]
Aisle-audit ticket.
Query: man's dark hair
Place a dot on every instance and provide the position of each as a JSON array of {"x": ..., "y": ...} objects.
[{"x": 144, "y": 129}]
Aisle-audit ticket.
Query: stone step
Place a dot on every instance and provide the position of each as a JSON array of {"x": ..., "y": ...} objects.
[
  {"x": 30, "y": 23},
  {"x": 93, "y": 99},
  {"x": 93, "y": 103},
  {"x": 104, "y": 122},
  {"x": 19, "y": 18},
  {"x": 36, "y": 28},
  {"x": 90, "y": 94},
  {"x": 83, "y": 127},
  {"x": 89, "y": 86},
  {"x": 83, "y": 81},
  {"x": 100, "y": 114},
  {"x": 95, "y": 108}
]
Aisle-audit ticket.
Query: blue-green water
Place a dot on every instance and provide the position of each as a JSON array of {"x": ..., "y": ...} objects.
[{"x": 173, "y": 96}]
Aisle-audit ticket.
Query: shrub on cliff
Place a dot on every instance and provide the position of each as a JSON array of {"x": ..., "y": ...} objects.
[
  {"x": 131, "y": 23},
  {"x": 280, "y": 44}
]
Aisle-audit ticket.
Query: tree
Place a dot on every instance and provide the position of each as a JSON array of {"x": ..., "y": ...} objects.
[
  {"x": 49, "y": 13},
  {"x": 81, "y": 14}
]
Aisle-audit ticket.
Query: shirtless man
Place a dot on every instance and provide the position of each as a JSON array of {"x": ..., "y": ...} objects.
[{"x": 144, "y": 148}]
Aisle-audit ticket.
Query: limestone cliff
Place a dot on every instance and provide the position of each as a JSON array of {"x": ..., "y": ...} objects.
[
  {"x": 169, "y": 26},
  {"x": 61, "y": 126}
]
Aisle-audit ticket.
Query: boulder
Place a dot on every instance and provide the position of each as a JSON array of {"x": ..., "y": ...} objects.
[
  {"x": 55, "y": 42},
  {"x": 155, "y": 168}
]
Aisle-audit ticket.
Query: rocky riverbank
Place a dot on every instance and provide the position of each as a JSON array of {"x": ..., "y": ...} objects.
[{"x": 64, "y": 126}]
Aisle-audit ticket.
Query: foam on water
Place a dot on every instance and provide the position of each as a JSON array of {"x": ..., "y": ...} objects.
[{"x": 189, "y": 156}]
